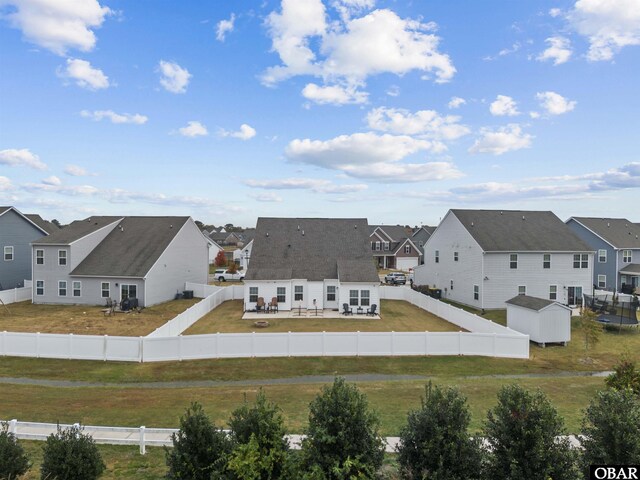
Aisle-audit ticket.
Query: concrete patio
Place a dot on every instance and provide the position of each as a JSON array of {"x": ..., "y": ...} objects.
[{"x": 308, "y": 313}]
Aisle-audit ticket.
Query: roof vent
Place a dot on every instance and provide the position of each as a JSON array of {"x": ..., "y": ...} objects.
[
  {"x": 303, "y": 233},
  {"x": 500, "y": 212},
  {"x": 522, "y": 217},
  {"x": 608, "y": 224},
  {"x": 298, "y": 227},
  {"x": 267, "y": 234},
  {"x": 472, "y": 224},
  {"x": 355, "y": 226},
  {"x": 170, "y": 226},
  {"x": 121, "y": 228}
]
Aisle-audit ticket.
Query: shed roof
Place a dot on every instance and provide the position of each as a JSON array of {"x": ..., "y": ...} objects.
[
  {"x": 619, "y": 232},
  {"x": 312, "y": 248},
  {"x": 533, "y": 303},
  {"x": 132, "y": 250},
  {"x": 520, "y": 231}
]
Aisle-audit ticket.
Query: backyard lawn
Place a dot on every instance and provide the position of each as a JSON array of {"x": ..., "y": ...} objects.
[
  {"x": 88, "y": 319},
  {"x": 396, "y": 315}
]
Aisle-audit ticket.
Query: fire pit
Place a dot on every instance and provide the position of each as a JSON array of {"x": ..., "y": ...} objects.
[{"x": 261, "y": 324}]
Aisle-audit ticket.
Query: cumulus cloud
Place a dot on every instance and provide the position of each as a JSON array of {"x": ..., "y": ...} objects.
[
  {"x": 193, "y": 129},
  {"x": 313, "y": 184},
  {"x": 77, "y": 171},
  {"x": 504, "y": 106},
  {"x": 72, "y": 190},
  {"x": 5, "y": 184},
  {"x": 333, "y": 94},
  {"x": 608, "y": 25},
  {"x": 503, "y": 140},
  {"x": 393, "y": 91},
  {"x": 405, "y": 172},
  {"x": 21, "y": 158},
  {"x": 428, "y": 123},
  {"x": 348, "y": 51},
  {"x": 266, "y": 197},
  {"x": 52, "y": 180},
  {"x": 174, "y": 78},
  {"x": 84, "y": 74},
  {"x": 58, "y": 25},
  {"x": 559, "y": 50},
  {"x": 456, "y": 102},
  {"x": 246, "y": 132},
  {"x": 98, "y": 115},
  {"x": 224, "y": 27},
  {"x": 554, "y": 103}
]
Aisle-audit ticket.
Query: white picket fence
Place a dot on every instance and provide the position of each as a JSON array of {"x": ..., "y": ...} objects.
[
  {"x": 213, "y": 297},
  {"x": 16, "y": 294},
  {"x": 483, "y": 338}
]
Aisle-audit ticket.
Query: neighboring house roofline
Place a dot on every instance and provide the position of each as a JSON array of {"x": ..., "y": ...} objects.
[
  {"x": 402, "y": 243},
  {"x": 384, "y": 233},
  {"x": 463, "y": 226},
  {"x": 68, "y": 244},
  {"x": 170, "y": 243},
  {"x": 26, "y": 218},
  {"x": 587, "y": 228}
]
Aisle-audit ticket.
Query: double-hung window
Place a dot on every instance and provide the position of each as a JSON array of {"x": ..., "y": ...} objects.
[
  {"x": 353, "y": 298},
  {"x": 39, "y": 287},
  {"x": 253, "y": 294},
  {"x": 476, "y": 292},
  {"x": 546, "y": 260},
  {"x": 581, "y": 260},
  {"x": 522, "y": 289},
  {"x": 62, "y": 257},
  {"x": 626, "y": 256},
  {"x": 602, "y": 256},
  {"x": 364, "y": 298},
  {"x": 8, "y": 254},
  {"x": 62, "y": 288},
  {"x": 407, "y": 249},
  {"x": 331, "y": 293},
  {"x": 77, "y": 288},
  {"x": 513, "y": 261},
  {"x": 298, "y": 293},
  {"x": 553, "y": 292},
  {"x": 105, "y": 289},
  {"x": 437, "y": 256},
  {"x": 455, "y": 256},
  {"x": 39, "y": 257},
  {"x": 281, "y": 294},
  {"x": 602, "y": 281}
]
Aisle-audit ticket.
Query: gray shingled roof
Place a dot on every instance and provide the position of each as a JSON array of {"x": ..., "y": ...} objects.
[
  {"x": 632, "y": 268},
  {"x": 532, "y": 303},
  {"x": 132, "y": 250},
  {"x": 76, "y": 230},
  {"x": 42, "y": 224},
  {"x": 520, "y": 231},
  {"x": 330, "y": 248},
  {"x": 619, "y": 232},
  {"x": 3, "y": 209},
  {"x": 396, "y": 232}
]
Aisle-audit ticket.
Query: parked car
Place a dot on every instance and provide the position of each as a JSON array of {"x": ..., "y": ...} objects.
[
  {"x": 395, "y": 278},
  {"x": 222, "y": 275}
]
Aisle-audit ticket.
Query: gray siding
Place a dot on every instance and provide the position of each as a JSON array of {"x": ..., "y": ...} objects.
[
  {"x": 184, "y": 260},
  {"x": 607, "y": 268},
  {"x": 18, "y": 233}
]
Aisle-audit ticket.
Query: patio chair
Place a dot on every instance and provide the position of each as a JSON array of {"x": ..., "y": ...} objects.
[
  {"x": 273, "y": 306},
  {"x": 346, "y": 310},
  {"x": 372, "y": 311},
  {"x": 260, "y": 305}
]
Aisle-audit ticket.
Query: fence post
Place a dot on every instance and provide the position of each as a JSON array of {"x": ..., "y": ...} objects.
[
  {"x": 323, "y": 346},
  {"x": 426, "y": 343},
  {"x": 393, "y": 346},
  {"x": 288, "y": 344},
  {"x": 2, "y": 343},
  {"x": 104, "y": 348},
  {"x": 494, "y": 344},
  {"x": 460, "y": 342},
  {"x": 37, "y": 344},
  {"x": 358, "y": 343},
  {"x": 70, "y": 346},
  {"x": 13, "y": 426},
  {"x": 141, "y": 349},
  {"x": 217, "y": 344},
  {"x": 180, "y": 347},
  {"x": 142, "y": 445},
  {"x": 253, "y": 336}
]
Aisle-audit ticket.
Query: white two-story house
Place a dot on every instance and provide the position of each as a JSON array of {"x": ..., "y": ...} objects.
[{"x": 482, "y": 258}]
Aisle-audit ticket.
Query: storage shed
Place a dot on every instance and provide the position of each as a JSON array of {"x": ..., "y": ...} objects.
[{"x": 545, "y": 321}]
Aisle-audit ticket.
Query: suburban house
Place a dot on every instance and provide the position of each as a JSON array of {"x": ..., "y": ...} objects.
[
  {"x": 114, "y": 257},
  {"x": 420, "y": 237},
  {"x": 17, "y": 231},
  {"x": 616, "y": 242},
  {"x": 393, "y": 247},
  {"x": 312, "y": 263},
  {"x": 242, "y": 255},
  {"x": 214, "y": 248},
  {"x": 482, "y": 258}
]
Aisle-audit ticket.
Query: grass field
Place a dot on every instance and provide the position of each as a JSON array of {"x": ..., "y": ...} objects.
[
  {"x": 88, "y": 319},
  {"x": 396, "y": 316}
]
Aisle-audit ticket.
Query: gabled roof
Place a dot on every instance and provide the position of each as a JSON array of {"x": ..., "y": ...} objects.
[
  {"x": 618, "y": 232},
  {"x": 533, "y": 303},
  {"x": 402, "y": 243},
  {"x": 312, "y": 248},
  {"x": 426, "y": 228},
  {"x": 76, "y": 230},
  {"x": 395, "y": 232},
  {"x": 37, "y": 221},
  {"x": 132, "y": 248},
  {"x": 520, "y": 231}
]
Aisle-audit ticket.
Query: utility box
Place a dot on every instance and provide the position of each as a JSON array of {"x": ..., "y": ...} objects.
[{"x": 545, "y": 321}]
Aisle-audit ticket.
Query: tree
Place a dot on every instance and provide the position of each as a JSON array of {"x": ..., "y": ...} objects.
[
  {"x": 435, "y": 443},
  {"x": 342, "y": 436},
  {"x": 522, "y": 432},
  {"x": 591, "y": 329},
  {"x": 70, "y": 454},
  {"x": 259, "y": 433},
  {"x": 200, "y": 450},
  {"x": 611, "y": 429},
  {"x": 56, "y": 223},
  {"x": 233, "y": 267},
  {"x": 624, "y": 376},
  {"x": 221, "y": 259},
  {"x": 13, "y": 460}
]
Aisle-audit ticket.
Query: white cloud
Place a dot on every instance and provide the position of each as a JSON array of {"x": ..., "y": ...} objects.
[
  {"x": 534, "y": 115},
  {"x": 84, "y": 74},
  {"x": 428, "y": 123},
  {"x": 72, "y": 190},
  {"x": 266, "y": 197},
  {"x": 5, "y": 184},
  {"x": 350, "y": 50},
  {"x": 174, "y": 78},
  {"x": 405, "y": 172},
  {"x": 504, "y": 105},
  {"x": 456, "y": 102},
  {"x": 393, "y": 91},
  {"x": 52, "y": 180},
  {"x": 58, "y": 25},
  {"x": 503, "y": 140},
  {"x": 246, "y": 132},
  {"x": 609, "y": 25},
  {"x": 555, "y": 104},
  {"x": 315, "y": 185},
  {"x": 555, "y": 12},
  {"x": 21, "y": 158},
  {"x": 348, "y": 8},
  {"x": 98, "y": 115},
  {"x": 193, "y": 129},
  {"x": 77, "y": 171},
  {"x": 224, "y": 27},
  {"x": 559, "y": 50},
  {"x": 333, "y": 94}
]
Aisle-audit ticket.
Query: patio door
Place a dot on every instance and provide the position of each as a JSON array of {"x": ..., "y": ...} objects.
[
  {"x": 128, "y": 291},
  {"x": 574, "y": 295}
]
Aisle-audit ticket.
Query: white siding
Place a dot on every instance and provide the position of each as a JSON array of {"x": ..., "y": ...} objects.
[
  {"x": 84, "y": 246},
  {"x": 406, "y": 263},
  {"x": 268, "y": 290},
  {"x": 550, "y": 325}
]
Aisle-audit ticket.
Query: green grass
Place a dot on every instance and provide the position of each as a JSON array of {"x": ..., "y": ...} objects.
[
  {"x": 396, "y": 315},
  {"x": 497, "y": 316}
]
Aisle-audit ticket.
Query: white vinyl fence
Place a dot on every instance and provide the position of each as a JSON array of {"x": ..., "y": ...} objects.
[
  {"x": 213, "y": 297},
  {"x": 16, "y": 294},
  {"x": 484, "y": 338}
]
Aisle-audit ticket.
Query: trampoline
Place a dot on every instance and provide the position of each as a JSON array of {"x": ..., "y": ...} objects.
[{"x": 612, "y": 311}]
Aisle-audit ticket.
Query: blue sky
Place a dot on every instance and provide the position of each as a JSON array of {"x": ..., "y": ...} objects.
[{"x": 394, "y": 111}]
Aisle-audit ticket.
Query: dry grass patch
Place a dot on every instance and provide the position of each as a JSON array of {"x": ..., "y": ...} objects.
[
  {"x": 88, "y": 319},
  {"x": 397, "y": 316}
]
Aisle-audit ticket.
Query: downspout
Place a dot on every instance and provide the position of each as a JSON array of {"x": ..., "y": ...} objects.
[
  {"x": 482, "y": 284},
  {"x": 617, "y": 271}
]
